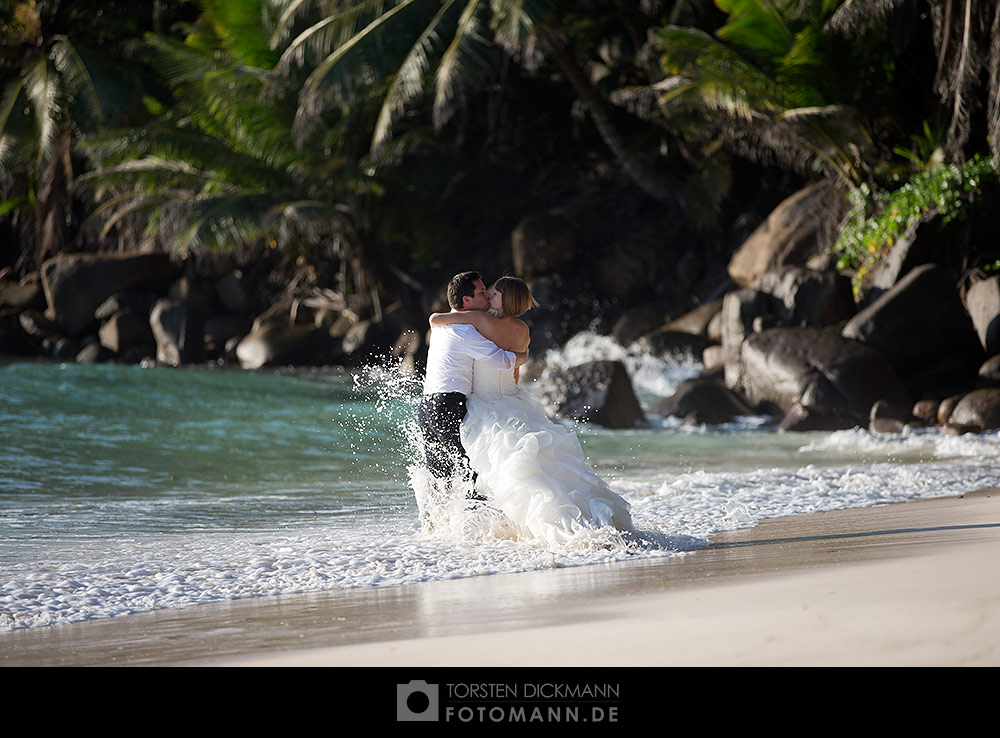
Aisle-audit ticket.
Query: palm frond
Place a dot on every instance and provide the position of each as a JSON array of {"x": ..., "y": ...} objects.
[
  {"x": 465, "y": 62},
  {"x": 408, "y": 82},
  {"x": 857, "y": 16},
  {"x": 47, "y": 98},
  {"x": 360, "y": 61},
  {"x": 67, "y": 61}
]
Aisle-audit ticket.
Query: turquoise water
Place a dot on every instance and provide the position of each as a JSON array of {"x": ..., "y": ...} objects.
[{"x": 124, "y": 489}]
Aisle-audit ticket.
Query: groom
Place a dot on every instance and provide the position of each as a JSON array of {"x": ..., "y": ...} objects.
[{"x": 450, "y": 357}]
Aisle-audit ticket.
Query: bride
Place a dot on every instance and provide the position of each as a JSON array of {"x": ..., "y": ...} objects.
[{"x": 532, "y": 469}]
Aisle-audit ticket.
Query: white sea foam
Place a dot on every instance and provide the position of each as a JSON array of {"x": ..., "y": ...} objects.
[
  {"x": 139, "y": 539},
  {"x": 651, "y": 375}
]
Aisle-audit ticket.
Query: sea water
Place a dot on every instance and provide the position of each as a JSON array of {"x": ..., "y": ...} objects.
[{"x": 126, "y": 489}]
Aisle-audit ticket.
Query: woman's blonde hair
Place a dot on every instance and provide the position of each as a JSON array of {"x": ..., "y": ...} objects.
[{"x": 515, "y": 297}]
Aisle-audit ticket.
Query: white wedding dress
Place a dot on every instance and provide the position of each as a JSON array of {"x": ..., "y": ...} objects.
[{"x": 534, "y": 470}]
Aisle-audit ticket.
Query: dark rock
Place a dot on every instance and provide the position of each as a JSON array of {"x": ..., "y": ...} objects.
[
  {"x": 790, "y": 235},
  {"x": 220, "y": 328},
  {"x": 739, "y": 308},
  {"x": 280, "y": 344},
  {"x": 637, "y": 322},
  {"x": 541, "y": 244},
  {"x": 26, "y": 295},
  {"x": 140, "y": 302},
  {"x": 915, "y": 324},
  {"x": 177, "y": 330},
  {"x": 624, "y": 274},
  {"x": 36, "y": 325},
  {"x": 911, "y": 249},
  {"x": 983, "y": 303},
  {"x": 802, "y": 419},
  {"x": 712, "y": 358},
  {"x": 947, "y": 407},
  {"x": 803, "y": 297},
  {"x": 989, "y": 372},
  {"x": 979, "y": 411},
  {"x": 926, "y": 411},
  {"x": 195, "y": 293},
  {"x": 886, "y": 418},
  {"x": 673, "y": 343},
  {"x": 701, "y": 400},
  {"x": 818, "y": 369},
  {"x": 599, "y": 392},
  {"x": 76, "y": 284},
  {"x": 698, "y": 320},
  {"x": 65, "y": 348},
  {"x": 92, "y": 353},
  {"x": 231, "y": 293},
  {"x": 126, "y": 329}
]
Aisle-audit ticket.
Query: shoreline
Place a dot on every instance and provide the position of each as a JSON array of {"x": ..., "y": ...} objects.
[{"x": 910, "y": 583}]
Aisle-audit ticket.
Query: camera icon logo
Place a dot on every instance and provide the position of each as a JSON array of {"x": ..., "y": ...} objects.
[{"x": 416, "y": 702}]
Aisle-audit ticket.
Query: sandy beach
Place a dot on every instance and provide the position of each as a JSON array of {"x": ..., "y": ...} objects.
[{"x": 910, "y": 584}]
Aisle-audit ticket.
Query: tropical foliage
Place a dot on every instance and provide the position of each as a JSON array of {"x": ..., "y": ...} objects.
[
  {"x": 391, "y": 134},
  {"x": 878, "y": 218}
]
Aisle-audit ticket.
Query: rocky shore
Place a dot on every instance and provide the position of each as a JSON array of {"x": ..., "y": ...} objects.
[{"x": 786, "y": 336}]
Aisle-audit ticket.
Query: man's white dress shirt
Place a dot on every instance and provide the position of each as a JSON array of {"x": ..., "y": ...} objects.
[{"x": 452, "y": 350}]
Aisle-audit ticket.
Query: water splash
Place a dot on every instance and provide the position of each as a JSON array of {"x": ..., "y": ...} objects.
[{"x": 654, "y": 377}]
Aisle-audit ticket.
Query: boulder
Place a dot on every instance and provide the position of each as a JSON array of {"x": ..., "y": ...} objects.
[
  {"x": 926, "y": 411},
  {"x": 977, "y": 411},
  {"x": 802, "y": 419},
  {"x": 698, "y": 320},
  {"x": 713, "y": 358},
  {"x": 637, "y": 322},
  {"x": 127, "y": 329},
  {"x": 884, "y": 418},
  {"x": 917, "y": 325},
  {"x": 543, "y": 243},
  {"x": 177, "y": 329},
  {"x": 804, "y": 297},
  {"x": 140, "y": 302},
  {"x": 76, "y": 284},
  {"x": 790, "y": 235},
  {"x": 739, "y": 309},
  {"x": 280, "y": 344},
  {"x": 24, "y": 295},
  {"x": 92, "y": 352},
  {"x": 983, "y": 303},
  {"x": 702, "y": 400},
  {"x": 219, "y": 329},
  {"x": 989, "y": 372},
  {"x": 817, "y": 369},
  {"x": 666, "y": 342},
  {"x": 231, "y": 293},
  {"x": 598, "y": 392},
  {"x": 947, "y": 407}
]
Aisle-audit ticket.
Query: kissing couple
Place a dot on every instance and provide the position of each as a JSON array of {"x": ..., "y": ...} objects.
[{"x": 489, "y": 445}]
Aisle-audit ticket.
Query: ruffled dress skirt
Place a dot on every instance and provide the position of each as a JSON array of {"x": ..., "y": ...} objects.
[{"x": 534, "y": 471}]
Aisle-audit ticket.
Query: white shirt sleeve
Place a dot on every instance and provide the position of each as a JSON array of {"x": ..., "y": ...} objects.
[{"x": 480, "y": 348}]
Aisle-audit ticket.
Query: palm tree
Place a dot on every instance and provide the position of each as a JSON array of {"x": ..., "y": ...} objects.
[
  {"x": 966, "y": 36},
  {"x": 763, "y": 78},
  {"x": 434, "y": 50},
  {"x": 218, "y": 170},
  {"x": 65, "y": 69}
]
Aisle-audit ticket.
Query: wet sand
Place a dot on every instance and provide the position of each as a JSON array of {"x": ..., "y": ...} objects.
[{"x": 899, "y": 585}]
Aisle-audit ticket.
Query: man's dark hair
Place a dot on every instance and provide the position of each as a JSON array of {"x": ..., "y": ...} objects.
[{"x": 462, "y": 285}]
